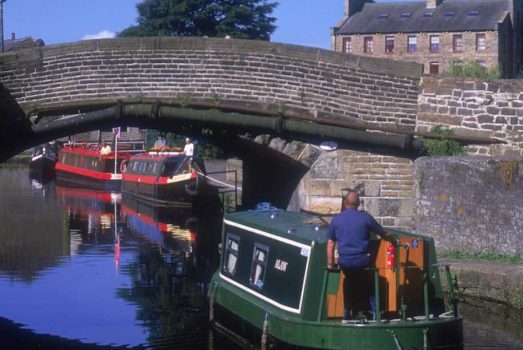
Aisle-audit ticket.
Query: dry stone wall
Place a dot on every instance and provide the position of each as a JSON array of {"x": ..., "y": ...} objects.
[{"x": 488, "y": 109}]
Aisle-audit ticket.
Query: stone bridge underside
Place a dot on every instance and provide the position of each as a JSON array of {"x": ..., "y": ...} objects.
[{"x": 226, "y": 84}]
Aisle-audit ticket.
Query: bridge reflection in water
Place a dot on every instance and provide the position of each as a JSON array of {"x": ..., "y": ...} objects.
[{"x": 89, "y": 270}]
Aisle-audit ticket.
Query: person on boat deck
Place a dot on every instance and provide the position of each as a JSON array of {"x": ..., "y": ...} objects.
[
  {"x": 105, "y": 149},
  {"x": 188, "y": 149},
  {"x": 351, "y": 230},
  {"x": 160, "y": 142}
]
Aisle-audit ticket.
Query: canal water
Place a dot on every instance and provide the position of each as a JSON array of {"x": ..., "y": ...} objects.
[{"x": 81, "y": 269}]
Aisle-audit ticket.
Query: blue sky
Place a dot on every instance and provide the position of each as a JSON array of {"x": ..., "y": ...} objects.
[{"x": 301, "y": 22}]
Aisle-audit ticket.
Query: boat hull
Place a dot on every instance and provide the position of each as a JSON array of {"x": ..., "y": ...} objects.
[
  {"x": 237, "y": 311},
  {"x": 70, "y": 179},
  {"x": 179, "y": 194}
]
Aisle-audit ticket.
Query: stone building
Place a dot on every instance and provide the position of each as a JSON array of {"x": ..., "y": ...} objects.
[{"x": 436, "y": 33}]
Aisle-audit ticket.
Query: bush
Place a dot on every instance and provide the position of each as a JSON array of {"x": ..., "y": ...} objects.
[
  {"x": 473, "y": 70},
  {"x": 443, "y": 145}
]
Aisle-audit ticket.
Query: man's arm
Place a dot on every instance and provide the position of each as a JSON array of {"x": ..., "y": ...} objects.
[
  {"x": 388, "y": 237},
  {"x": 330, "y": 253}
]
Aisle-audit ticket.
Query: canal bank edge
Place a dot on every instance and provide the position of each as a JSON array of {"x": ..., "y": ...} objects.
[{"x": 491, "y": 281}]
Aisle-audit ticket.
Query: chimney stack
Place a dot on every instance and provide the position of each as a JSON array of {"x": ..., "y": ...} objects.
[
  {"x": 432, "y": 4},
  {"x": 353, "y": 6},
  {"x": 13, "y": 36}
]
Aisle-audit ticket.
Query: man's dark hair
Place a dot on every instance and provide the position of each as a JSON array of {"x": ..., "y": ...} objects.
[{"x": 351, "y": 200}]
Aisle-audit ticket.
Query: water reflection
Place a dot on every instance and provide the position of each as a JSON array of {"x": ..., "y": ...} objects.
[
  {"x": 105, "y": 270},
  {"x": 32, "y": 238}
]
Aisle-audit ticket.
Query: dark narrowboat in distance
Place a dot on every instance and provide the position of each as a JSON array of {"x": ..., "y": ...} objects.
[
  {"x": 273, "y": 285},
  {"x": 79, "y": 165},
  {"x": 43, "y": 160},
  {"x": 164, "y": 178}
]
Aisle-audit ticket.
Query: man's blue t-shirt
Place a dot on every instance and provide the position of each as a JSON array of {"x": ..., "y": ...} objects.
[{"x": 351, "y": 229}]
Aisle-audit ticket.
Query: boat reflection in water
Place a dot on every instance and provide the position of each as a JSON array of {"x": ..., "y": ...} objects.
[
  {"x": 156, "y": 274},
  {"x": 173, "y": 230}
]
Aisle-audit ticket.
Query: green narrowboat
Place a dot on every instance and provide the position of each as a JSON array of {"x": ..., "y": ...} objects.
[{"x": 273, "y": 286}]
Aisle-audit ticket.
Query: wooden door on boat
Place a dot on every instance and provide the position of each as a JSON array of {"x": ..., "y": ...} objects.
[{"x": 407, "y": 285}]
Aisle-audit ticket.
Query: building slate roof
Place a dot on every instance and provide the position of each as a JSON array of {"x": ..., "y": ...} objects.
[
  {"x": 22, "y": 43},
  {"x": 414, "y": 17}
]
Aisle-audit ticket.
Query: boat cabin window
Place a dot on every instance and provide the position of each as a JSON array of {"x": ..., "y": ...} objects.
[
  {"x": 231, "y": 254},
  {"x": 259, "y": 262}
]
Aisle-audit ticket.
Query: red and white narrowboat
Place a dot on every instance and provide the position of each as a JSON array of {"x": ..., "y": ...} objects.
[
  {"x": 87, "y": 167},
  {"x": 165, "y": 178}
]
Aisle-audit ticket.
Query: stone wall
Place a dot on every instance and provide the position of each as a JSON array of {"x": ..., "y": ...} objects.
[
  {"x": 471, "y": 204},
  {"x": 488, "y": 109},
  {"x": 384, "y": 181}
]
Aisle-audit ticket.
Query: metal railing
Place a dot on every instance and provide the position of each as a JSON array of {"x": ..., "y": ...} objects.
[{"x": 425, "y": 270}]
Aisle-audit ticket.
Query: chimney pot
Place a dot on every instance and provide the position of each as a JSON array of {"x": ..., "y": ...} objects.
[{"x": 432, "y": 4}]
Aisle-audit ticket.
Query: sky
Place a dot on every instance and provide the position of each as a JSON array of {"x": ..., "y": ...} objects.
[{"x": 300, "y": 22}]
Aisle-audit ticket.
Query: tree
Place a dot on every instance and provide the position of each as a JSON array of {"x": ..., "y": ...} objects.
[{"x": 243, "y": 19}]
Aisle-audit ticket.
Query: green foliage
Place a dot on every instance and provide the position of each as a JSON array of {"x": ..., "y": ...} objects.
[
  {"x": 443, "y": 145},
  {"x": 489, "y": 256},
  {"x": 473, "y": 70},
  {"x": 243, "y": 19}
]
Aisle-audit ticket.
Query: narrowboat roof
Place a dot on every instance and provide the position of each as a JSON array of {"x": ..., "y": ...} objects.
[
  {"x": 91, "y": 152},
  {"x": 157, "y": 155},
  {"x": 300, "y": 227}
]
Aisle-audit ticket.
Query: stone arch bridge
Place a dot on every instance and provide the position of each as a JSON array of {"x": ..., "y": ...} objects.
[
  {"x": 236, "y": 84},
  {"x": 231, "y": 87}
]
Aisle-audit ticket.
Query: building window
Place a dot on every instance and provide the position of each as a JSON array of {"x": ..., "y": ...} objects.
[
  {"x": 231, "y": 254},
  {"x": 259, "y": 264},
  {"x": 347, "y": 45},
  {"x": 368, "y": 44},
  {"x": 434, "y": 43},
  {"x": 481, "y": 42},
  {"x": 412, "y": 43},
  {"x": 389, "y": 44},
  {"x": 434, "y": 68},
  {"x": 457, "y": 43}
]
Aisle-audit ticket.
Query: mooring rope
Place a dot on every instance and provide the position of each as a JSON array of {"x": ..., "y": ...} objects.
[{"x": 218, "y": 181}]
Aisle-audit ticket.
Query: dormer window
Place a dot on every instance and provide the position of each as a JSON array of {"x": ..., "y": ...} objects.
[
  {"x": 428, "y": 14},
  {"x": 450, "y": 13},
  {"x": 473, "y": 14},
  {"x": 405, "y": 15},
  {"x": 383, "y": 16}
]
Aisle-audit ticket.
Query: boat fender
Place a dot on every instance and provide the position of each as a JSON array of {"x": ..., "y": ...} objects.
[
  {"x": 123, "y": 166},
  {"x": 396, "y": 340},
  {"x": 193, "y": 192},
  {"x": 265, "y": 332},
  {"x": 212, "y": 300}
]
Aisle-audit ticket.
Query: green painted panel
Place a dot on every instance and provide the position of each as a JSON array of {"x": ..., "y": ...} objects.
[{"x": 333, "y": 282}]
